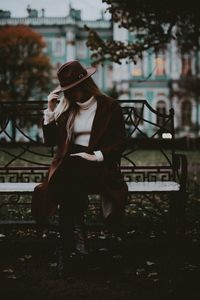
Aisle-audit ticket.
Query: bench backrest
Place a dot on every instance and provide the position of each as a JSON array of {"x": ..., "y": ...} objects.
[
  {"x": 24, "y": 157},
  {"x": 148, "y": 129}
]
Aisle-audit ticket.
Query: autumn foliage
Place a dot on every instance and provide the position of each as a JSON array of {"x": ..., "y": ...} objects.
[{"x": 24, "y": 68}]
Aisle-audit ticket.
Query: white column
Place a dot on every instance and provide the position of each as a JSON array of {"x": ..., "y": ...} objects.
[
  {"x": 177, "y": 110},
  {"x": 70, "y": 41},
  {"x": 145, "y": 63},
  {"x": 175, "y": 61},
  {"x": 120, "y": 72},
  {"x": 167, "y": 61}
]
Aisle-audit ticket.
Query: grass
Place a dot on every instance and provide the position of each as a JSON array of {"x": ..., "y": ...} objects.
[
  {"x": 33, "y": 154},
  {"x": 43, "y": 154}
]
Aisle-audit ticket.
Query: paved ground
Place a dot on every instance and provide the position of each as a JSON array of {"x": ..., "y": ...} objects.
[{"x": 140, "y": 267}]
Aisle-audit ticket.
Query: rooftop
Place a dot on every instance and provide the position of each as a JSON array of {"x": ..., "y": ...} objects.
[
  {"x": 51, "y": 21},
  {"x": 37, "y": 18}
]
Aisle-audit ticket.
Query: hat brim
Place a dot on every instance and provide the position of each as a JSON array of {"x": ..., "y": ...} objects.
[{"x": 90, "y": 71}]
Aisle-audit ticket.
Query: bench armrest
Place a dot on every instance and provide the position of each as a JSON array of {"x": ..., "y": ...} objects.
[{"x": 181, "y": 169}]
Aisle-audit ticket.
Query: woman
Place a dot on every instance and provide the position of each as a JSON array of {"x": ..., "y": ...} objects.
[{"x": 89, "y": 131}]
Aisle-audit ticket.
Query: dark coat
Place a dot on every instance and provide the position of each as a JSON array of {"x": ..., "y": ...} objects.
[{"x": 108, "y": 135}]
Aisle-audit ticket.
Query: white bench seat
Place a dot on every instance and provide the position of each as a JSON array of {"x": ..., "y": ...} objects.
[
  {"x": 17, "y": 187},
  {"x": 159, "y": 186},
  {"x": 133, "y": 187}
]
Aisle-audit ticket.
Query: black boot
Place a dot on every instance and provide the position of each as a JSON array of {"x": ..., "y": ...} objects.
[
  {"x": 66, "y": 240},
  {"x": 64, "y": 259},
  {"x": 61, "y": 262},
  {"x": 64, "y": 264},
  {"x": 80, "y": 240}
]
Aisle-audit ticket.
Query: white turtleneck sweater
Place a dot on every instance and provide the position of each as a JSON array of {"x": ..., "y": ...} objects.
[{"x": 82, "y": 124}]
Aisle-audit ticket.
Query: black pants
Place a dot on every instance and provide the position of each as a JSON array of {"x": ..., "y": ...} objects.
[{"x": 74, "y": 179}]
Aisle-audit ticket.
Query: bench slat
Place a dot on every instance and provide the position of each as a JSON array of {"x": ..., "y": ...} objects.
[
  {"x": 159, "y": 186},
  {"x": 17, "y": 187}
]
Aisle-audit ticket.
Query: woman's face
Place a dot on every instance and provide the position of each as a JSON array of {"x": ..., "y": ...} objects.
[{"x": 76, "y": 94}]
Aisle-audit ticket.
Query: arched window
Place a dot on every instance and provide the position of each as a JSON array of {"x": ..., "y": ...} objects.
[
  {"x": 186, "y": 113},
  {"x": 161, "y": 109}
]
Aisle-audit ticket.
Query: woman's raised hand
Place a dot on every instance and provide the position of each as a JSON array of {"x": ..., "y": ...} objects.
[{"x": 52, "y": 100}]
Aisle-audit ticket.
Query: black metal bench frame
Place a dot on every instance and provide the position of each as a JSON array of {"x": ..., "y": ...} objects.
[{"x": 169, "y": 179}]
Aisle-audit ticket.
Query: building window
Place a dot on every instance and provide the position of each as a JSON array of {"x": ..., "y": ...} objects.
[
  {"x": 81, "y": 49},
  {"x": 138, "y": 68},
  {"x": 161, "y": 109},
  {"x": 160, "y": 63},
  {"x": 186, "y": 62},
  {"x": 58, "y": 47},
  {"x": 186, "y": 113},
  {"x": 49, "y": 43}
]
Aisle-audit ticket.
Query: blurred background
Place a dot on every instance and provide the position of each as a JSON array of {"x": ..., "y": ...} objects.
[{"x": 38, "y": 36}]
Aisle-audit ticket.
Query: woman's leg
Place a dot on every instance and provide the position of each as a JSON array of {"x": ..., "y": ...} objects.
[
  {"x": 70, "y": 194},
  {"x": 71, "y": 184},
  {"x": 71, "y": 221},
  {"x": 66, "y": 225}
]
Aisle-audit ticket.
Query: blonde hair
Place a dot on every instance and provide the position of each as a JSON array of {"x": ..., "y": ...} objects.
[{"x": 88, "y": 86}]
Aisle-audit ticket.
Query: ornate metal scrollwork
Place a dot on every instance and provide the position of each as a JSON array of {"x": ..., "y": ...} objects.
[{"x": 144, "y": 132}]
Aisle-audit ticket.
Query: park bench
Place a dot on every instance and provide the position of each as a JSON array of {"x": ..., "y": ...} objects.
[{"x": 148, "y": 131}]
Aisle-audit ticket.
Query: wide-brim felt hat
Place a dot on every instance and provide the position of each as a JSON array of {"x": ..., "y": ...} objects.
[{"x": 71, "y": 74}]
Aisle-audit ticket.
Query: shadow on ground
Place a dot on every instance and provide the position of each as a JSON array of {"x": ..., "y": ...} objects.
[{"x": 138, "y": 267}]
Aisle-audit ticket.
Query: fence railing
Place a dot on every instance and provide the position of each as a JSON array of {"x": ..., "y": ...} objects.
[{"x": 21, "y": 140}]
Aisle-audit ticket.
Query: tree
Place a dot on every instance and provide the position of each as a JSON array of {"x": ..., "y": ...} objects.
[
  {"x": 155, "y": 24},
  {"x": 24, "y": 68}
]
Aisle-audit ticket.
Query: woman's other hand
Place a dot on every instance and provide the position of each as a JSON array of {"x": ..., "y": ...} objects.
[
  {"x": 52, "y": 100},
  {"x": 91, "y": 157}
]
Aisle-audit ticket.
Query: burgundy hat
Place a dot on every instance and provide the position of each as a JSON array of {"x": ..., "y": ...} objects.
[{"x": 71, "y": 74}]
